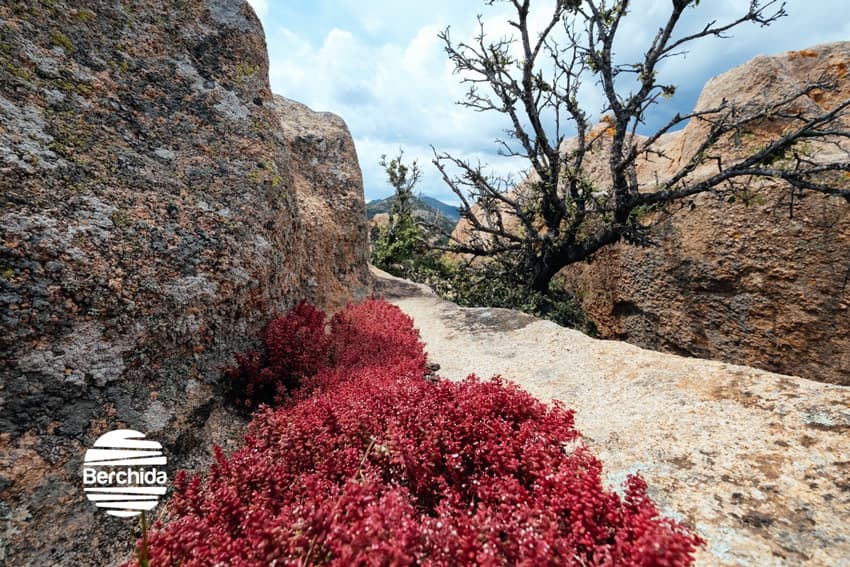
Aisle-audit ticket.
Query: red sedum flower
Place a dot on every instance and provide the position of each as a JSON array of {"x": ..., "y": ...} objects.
[{"x": 367, "y": 463}]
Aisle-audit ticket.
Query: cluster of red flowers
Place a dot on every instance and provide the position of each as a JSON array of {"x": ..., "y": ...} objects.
[
  {"x": 367, "y": 463},
  {"x": 296, "y": 346}
]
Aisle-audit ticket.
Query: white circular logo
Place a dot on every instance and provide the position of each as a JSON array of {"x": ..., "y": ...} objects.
[{"x": 120, "y": 473}]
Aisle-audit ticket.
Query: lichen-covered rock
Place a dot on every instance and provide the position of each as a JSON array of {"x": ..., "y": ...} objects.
[
  {"x": 151, "y": 219},
  {"x": 328, "y": 184},
  {"x": 762, "y": 281}
]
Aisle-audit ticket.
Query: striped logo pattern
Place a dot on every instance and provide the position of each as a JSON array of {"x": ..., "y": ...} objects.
[{"x": 127, "y": 491}]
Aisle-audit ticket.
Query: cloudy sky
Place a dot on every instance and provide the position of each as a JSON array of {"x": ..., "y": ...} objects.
[{"x": 380, "y": 65}]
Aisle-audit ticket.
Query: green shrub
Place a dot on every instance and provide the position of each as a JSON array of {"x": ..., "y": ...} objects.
[
  {"x": 405, "y": 248},
  {"x": 489, "y": 286}
]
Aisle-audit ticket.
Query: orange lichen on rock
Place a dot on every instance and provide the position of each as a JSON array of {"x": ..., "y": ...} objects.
[{"x": 806, "y": 53}]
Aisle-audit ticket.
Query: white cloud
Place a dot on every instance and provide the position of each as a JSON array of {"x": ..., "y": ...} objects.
[
  {"x": 383, "y": 69},
  {"x": 390, "y": 95}
]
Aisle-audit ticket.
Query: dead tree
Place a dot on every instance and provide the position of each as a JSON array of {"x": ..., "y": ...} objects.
[{"x": 558, "y": 215}]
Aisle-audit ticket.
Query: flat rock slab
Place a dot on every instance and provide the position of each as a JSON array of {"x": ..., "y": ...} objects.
[{"x": 758, "y": 463}]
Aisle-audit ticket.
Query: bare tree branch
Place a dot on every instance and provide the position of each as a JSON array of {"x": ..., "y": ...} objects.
[{"x": 562, "y": 213}]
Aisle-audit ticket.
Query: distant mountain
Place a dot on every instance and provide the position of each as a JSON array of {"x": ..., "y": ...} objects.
[
  {"x": 449, "y": 211},
  {"x": 378, "y": 206},
  {"x": 426, "y": 208}
]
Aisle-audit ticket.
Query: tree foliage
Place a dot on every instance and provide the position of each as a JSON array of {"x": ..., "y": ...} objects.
[
  {"x": 558, "y": 216},
  {"x": 402, "y": 239}
]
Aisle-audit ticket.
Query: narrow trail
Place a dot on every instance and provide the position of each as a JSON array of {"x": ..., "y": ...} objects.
[{"x": 758, "y": 463}]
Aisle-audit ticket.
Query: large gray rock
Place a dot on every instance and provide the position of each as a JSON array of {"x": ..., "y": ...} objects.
[{"x": 151, "y": 220}]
